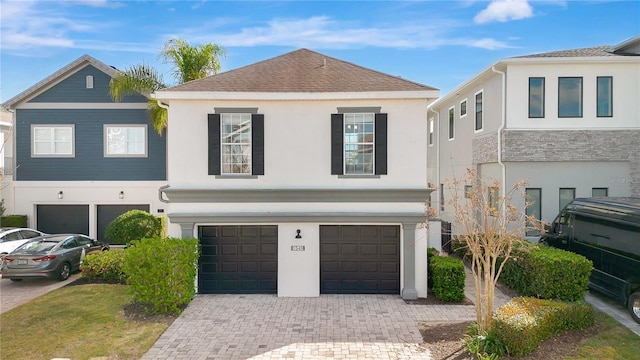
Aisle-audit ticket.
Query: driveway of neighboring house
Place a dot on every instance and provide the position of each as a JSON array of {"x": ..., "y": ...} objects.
[{"x": 14, "y": 293}]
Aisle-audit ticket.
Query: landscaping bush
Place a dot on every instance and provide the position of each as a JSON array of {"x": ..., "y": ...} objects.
[
  {"x": 14, "y": 221},
  {"x": 161, "y": 272},
  {"x": 106, "y": 266},
  {"x": 133, "y": 225},
  {"x": 431, "y": 252},
  {"x": 447, "y": 278},
  {"x": 524, "y": 322},
  {"x": 460, "y": 247},
  {"x": 547, "y": 273}
]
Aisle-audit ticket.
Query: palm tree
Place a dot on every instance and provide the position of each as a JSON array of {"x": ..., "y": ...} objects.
[{"x": 190, "y": 63}]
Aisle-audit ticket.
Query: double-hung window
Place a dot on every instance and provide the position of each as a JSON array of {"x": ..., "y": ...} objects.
[
  {"x": 536, "y": 97},
  {"x": 605, "y": 96},
  {"x": 125, "y": 140},
  {"x": 479, "y": 105},
  {"x": 570, "y": 97},
  {"x": 52, "y": 140},
  {"x": 463, "y": 108},
  {"x": 236, "y": 143},
  {"x": 358, "y": 143}
]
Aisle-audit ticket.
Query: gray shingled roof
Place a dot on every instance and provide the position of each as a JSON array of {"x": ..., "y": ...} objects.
[
  {"x": 302, "y": 70},
  {"x": 626, "y": 48}
]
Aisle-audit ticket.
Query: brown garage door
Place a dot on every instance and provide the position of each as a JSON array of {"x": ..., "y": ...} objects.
[
  {"x": 359, "y": 259},
  {"x": 238, "y": 260}
]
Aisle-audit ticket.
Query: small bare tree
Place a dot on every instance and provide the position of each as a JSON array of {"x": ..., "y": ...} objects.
[{"x": 488, "y": 223}]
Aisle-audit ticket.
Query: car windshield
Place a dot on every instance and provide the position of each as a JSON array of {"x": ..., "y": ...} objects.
[{"x": 37, "y": 247}]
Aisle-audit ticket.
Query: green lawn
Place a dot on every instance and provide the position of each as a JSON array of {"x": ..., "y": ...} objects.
[
  {"x": 613, "y": 342},
  {"x": 77, "y": 322}
]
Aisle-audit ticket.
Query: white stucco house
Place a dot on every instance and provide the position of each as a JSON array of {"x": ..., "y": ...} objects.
[
  {"x": 301, "y": 175},
  {"x": 567, "y": 122}
]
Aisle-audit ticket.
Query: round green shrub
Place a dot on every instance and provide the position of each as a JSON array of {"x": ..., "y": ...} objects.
[
  {"x": 133, "y": 225},
  {"x": 106, "y": 266}
]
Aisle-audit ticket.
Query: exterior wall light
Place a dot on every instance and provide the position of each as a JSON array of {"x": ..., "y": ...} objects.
[
  {"x": 121, "y": 195},
  {"x": 60, "y": 194},
  {"x": 298, "y": 236}
]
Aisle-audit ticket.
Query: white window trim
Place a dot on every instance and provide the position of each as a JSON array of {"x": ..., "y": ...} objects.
[
  {"x": 106, "y": 146},
  {"x": 373, "y": 143},
  {"x": 451, "y": 138},
  {"x": 466, "y": 108},
  {"x": 475, "y": 131},
  {"x": 222, "y": 144},
  {"x": 52, "y": 126}
]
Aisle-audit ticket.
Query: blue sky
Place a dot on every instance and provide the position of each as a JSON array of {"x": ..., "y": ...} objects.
[{"x": 436, "y": 43}]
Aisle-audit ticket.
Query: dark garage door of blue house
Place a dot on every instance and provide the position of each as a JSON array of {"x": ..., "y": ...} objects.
[
  {"x": 61, "y": 219},
  {"x": 238, "y": 259},
  {"x": 108, "y": 213}
]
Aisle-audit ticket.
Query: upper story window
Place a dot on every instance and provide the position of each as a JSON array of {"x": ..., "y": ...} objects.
[
  {"x": 89, "y": 81},
  {"x": 359, "y": 142},
  {"x": 452, "y": 123},
  {"x": 536, "y": 97},
  {"x": 125, "y": 140},
  {"x": 479, "y": 111},
  {"x": 463, "y": 108},
  {"x": 570, "y": 97},
  {"x": 604, "y": 96},
  {"x": 236, "y": 142},
  {"x": 52, "y": 140},
  {"x": 431, "y": 124}
]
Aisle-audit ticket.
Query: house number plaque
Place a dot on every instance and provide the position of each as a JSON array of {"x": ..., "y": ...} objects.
[{"x": 297, "y": 247}]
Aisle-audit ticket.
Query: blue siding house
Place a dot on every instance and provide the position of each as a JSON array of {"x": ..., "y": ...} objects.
[{"x": 81, "y": 159}]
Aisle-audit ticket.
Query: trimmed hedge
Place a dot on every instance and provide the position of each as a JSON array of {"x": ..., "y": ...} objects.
[
  {"x": 133, "y": 225},
  {"x": 524, "y": 322},
  {"x": 161, "y": 272},
  {"x": 106, "y": 266},
  {"x": 431, "y": 253},
  {"x": 447, "y": 277},
  {"x": 547, "y": 273},
  {"x": 13, "y": 221}
]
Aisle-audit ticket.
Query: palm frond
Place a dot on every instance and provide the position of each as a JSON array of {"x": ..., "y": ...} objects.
[{"x": 139, "y": 79}]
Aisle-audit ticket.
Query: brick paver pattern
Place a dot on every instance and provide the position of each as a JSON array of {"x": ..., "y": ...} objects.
[{"x": 327, "y": 327}]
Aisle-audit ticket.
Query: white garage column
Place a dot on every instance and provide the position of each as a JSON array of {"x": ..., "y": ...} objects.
[
  {"x": 409, "y": 291},
  {"x": 299, "y": 260}
]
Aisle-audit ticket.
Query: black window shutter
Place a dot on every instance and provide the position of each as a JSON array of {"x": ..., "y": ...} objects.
[
  {"x": 214, "y": 144},
  {"x": 257, "y": 144},
  {"x": 337, "y": 144},
  {"x": 381, "y": 144}
]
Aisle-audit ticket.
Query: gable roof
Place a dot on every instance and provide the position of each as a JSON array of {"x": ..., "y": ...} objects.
[
  {"x": 58, "y": 76},
  {"x": 300, "y": 71},
  {"x": 629, "y": 47}
]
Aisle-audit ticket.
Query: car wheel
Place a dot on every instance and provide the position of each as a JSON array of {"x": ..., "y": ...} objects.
[
  {"x": 64, "y": 271},
  {"x": 634, "y": 306},
  {"x": 15, "y": 279}
]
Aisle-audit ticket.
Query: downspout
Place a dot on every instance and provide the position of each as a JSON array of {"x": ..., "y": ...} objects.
[
  {"x": 437, "y": 134},
  {"x": 500, "y": 129},
  {"x": 162, "y": 188}
]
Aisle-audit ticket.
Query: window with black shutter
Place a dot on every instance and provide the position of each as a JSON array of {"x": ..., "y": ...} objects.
[
  {"x": 236, "y": 144},
  {"x": 359, "y": 143}
]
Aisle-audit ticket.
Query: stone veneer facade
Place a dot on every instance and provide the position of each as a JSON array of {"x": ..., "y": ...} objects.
[{"x": 564, "y": 145}]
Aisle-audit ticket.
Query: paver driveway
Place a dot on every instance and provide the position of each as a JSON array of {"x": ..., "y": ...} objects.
[{"x": 327, "y": 327}]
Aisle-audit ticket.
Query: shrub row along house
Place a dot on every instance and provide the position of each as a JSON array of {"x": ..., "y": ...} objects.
[{"x": 304, "y": 174}]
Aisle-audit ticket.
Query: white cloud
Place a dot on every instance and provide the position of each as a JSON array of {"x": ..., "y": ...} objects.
[
  {"x": 31, "y": 24},
  {"x": 504, "y": 10},
  {"x": 322, "y": 32}
]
